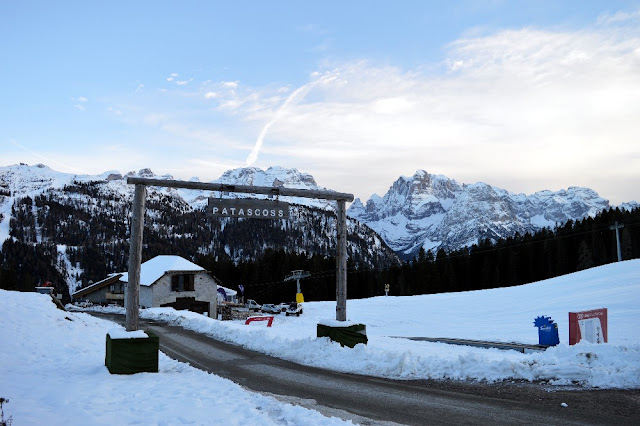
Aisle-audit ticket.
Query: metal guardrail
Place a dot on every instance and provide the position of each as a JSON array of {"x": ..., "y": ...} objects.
[{"x": 520, "y": 347}]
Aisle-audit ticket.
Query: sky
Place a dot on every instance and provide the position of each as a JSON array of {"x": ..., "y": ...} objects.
[
  {"x": 523, "y": 95},
  {"x": 62, "y": 354}
]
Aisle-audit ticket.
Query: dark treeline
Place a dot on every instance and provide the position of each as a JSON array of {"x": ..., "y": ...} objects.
[
  {"x": 25, "y": 266},
  {"x": 264, "y": 279},
  {"x": 520, "y": 259}
]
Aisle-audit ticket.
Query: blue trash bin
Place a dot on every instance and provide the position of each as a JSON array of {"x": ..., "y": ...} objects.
[{"x": 547, "y": 331}]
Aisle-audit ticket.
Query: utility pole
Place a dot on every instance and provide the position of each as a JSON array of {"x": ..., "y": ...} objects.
[{"x": 617, "y": 229}]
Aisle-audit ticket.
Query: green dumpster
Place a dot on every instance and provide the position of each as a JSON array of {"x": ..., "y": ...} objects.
[
  {"x": 132, "y": 355},
  {"x": 344, "y": 332}
]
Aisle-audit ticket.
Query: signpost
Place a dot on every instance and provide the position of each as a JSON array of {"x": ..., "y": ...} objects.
[{"x": 588, "y": 325}]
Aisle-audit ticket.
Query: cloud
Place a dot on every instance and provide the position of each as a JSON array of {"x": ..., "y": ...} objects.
[
  {"x": 80, "y": 102},
  {"x": 253, "y": 103},
  {"x": 525, "y": 109},
  {"x": 115, "y": 111},
  {"x": 173, "y": 78},
  {"x": 619, "y": 17},
  {"x": 230, "y": 84}
]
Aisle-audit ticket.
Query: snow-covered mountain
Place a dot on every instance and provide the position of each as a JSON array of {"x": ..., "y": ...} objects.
[
  {"x": 24, "y": 180},
  {"x": 433, "y": 211},
  {"x": 81, "y": 222},
  {"x": 273, "y": 176},
  {"x": 430, "y": 211},
  {"x": 277, "y": 177}
]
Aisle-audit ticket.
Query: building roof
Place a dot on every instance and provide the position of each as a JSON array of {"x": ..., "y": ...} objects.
[
  {"x": 153, "y": 269},
  {"x": 228, "y": 291},
  {"x": 112, "y": 278}
]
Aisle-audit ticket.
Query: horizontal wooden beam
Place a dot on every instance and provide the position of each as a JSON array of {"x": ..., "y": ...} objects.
[{"x": 244, "y": 189}]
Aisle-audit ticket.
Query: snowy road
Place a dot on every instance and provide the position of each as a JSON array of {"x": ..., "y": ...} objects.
[{"x": 369, "y": 400}]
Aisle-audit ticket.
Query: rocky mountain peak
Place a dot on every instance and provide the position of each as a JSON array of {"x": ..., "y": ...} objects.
[
  {"x": 273, "y": 176},
  {"x": 433, "y": 211},
  {"x": 416, "y": 197}
]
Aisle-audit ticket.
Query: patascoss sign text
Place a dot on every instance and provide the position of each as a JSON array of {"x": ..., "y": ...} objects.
[{"x": 248, "y": 208}]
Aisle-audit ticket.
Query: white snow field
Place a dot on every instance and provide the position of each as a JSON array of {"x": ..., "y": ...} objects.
[{"x": 53, "y": 367}]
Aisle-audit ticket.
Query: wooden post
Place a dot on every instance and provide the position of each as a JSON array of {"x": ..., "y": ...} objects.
[
  {"x": 135, "y": 258},
  {"x": 341, "y": 261},
  {"x": 213, "y": 306}
]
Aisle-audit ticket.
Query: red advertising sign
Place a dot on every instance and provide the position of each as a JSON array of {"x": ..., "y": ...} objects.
[{"x": 588, "y": 325}]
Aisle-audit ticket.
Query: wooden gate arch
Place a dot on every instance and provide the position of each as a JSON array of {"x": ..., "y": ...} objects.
[{"x": 137, "y": 230}]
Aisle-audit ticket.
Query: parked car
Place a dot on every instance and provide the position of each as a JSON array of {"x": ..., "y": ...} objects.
[
  {"x": 269, "y": 308},
  {"x": 294, "y": 308},
  {"x": 252, "y": 305},
  {"x": 283, "y": 306}
]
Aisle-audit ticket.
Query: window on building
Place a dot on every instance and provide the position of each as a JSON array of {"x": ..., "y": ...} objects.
[
  {"x": 117, "y": 288},
  {"x": 182, "y": 282}
]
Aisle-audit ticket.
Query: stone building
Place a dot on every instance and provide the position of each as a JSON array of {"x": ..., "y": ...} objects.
[{"x": 165, "y": 281}]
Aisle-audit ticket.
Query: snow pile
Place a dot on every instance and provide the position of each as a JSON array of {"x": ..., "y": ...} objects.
[
  {"x": 505, "y": 315},
  {"x": 52, "y": 369}
]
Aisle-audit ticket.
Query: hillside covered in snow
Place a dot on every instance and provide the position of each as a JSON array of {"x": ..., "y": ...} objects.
[{"x": 61, "y": 354}]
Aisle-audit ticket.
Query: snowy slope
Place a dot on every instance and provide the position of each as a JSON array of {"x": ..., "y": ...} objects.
[
  {"x": 55, "y": 370},
  {"x": 433, "y": 211}
]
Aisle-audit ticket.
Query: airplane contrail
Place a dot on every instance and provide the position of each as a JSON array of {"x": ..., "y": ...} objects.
[
  {"x": 46, "y": 159},
  {"x": 298, "y": 93}
]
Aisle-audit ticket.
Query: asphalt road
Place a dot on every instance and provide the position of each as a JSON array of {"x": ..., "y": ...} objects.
[{"x": 370, "y": 400}]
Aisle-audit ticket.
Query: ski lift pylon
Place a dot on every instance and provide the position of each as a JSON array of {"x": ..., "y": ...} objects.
[{"x": 297, "y": 275}]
